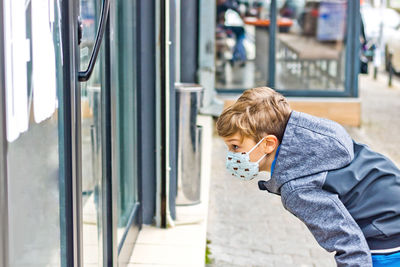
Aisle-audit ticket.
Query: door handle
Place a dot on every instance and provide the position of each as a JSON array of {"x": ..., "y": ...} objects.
[{"x": 83, "y": 76}]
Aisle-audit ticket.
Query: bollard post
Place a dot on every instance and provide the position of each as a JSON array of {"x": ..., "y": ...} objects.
[
  {"x": 188, "y": 103},
  {"x": 390, "y": 70}
]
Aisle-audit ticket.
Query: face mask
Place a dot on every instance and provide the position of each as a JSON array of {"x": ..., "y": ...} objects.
[{"x": 239, "y": 164}]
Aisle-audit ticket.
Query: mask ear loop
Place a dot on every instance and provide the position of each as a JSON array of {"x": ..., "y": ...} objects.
[
  {"x": 254, "y": 147},
  {"x": 263, "y": 156}
]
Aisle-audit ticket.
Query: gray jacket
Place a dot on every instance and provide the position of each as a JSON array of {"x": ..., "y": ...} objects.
[{"x": 346, "y": 194}]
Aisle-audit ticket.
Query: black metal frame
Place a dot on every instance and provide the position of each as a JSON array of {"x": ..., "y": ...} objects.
[
  {"x": 69, "y": 115},
  {"x": 3, "y": 153},
  {"x": 108, "y": 179},
  {"x": 356, "y": 31},
  {"x": 163, "y": 97},
  {"x": 271, "y": 45}
]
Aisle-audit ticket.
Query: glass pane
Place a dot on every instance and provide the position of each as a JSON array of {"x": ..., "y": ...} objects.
[
  {"x": 242, "y": 43},
  {"x": 124, "y": 79},
  {"x": 310, "y": 45},
  {"x": 89, "y": 18},
  {"x": 33, "y": 82},
  {"x": 91, "y": 126}
]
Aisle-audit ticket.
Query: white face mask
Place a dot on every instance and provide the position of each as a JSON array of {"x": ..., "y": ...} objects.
[{"x": 239, "y": 164}]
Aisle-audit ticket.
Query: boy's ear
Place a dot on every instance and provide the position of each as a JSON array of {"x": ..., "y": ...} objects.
[{"x": 270, "y": 143}]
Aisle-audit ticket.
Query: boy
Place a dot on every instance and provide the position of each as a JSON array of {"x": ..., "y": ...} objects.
[{"x": 346, "y": 194}]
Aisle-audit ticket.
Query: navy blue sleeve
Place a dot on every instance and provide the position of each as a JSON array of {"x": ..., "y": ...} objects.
[{"x": 331, "y": 224}]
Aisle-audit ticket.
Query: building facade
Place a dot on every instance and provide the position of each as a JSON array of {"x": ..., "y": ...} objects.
[{"x": 88, "y": 140}]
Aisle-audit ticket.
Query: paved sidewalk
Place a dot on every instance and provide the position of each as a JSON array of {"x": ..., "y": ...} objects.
[
  {"x": 380, "y": 116},
  {"x": 184, "y": 243},
  {"x": 249, "y": 227}
]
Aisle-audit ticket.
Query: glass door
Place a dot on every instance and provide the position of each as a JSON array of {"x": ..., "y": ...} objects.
[
  {"x": 110, "y": 210},
  {"x": 92, "y": 137},
  {"x": 60, "y": 133},
  {"x": 124, "y": 90},
  {"x": 57, "y": 135},
  {"x": 35, "y": 173}
]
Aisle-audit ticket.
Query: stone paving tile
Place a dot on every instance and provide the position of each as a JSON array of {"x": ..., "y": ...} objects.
[{"x": 248, "y": 227}]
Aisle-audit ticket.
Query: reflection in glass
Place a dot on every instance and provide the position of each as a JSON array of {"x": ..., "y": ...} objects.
[
  {"x": 33, "y": 196},
  {"x": 236, "y": 44},
  {"x": 309, "y": 44},
  {"x": 33, "y": 159},
  {"x": 89, "y": 15},
  {"x": 124, "y": 78},
  {"x": 91, "y": 126}
]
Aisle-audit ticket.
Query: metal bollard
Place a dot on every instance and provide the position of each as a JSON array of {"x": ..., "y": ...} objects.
[{"x": 188, "y": 103}]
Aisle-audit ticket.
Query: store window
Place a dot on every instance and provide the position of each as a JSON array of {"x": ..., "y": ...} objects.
[
  {"x": 290, "y": 45},
  {"x": 310, "y": 45}
]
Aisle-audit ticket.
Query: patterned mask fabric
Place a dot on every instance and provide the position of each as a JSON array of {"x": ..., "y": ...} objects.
[{"x": 239, "y": 164}]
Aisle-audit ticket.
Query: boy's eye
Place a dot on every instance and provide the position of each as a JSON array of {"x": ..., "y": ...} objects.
[{"x": 234, "y": 147}]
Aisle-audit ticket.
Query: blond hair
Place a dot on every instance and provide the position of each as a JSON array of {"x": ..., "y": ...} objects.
[{"x": 257, "y": 112}]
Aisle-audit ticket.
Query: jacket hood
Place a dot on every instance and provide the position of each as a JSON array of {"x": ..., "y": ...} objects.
[{"x": 310, "y": 145}]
